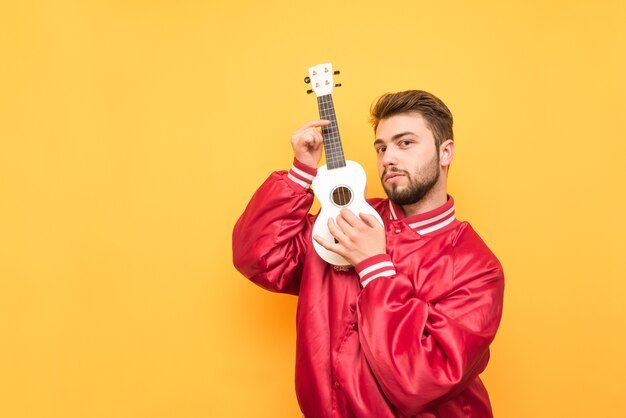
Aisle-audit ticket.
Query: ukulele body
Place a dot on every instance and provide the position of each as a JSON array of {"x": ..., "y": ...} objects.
[{"x": 335, "y": 189}]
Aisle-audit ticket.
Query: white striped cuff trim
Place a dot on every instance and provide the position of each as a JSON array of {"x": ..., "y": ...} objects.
[
  {"x": 436, "y": 227},
  {"x": 433, "y": 219},
  {"x": 302, "y": 174},
  {"x": 296, "y": 180},
  {"x": 386, "y": 273},
  {"x": 375, "y": 267}
]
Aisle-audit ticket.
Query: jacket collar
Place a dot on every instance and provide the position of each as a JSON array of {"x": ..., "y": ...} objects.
[{"x": 427, "y": 222}]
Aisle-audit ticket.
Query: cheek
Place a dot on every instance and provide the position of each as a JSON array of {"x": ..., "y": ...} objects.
[
  {"x": 379, "y": 162},
  {"x": 381, "y": 167}
]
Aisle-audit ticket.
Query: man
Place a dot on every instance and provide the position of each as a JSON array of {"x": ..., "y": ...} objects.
[{"x": 406, "y": 332}]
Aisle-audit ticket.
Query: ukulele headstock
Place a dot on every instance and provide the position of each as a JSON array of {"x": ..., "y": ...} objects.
[{"x": 321, "y": 79}]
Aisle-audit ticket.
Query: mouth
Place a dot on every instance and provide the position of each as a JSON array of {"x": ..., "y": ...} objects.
[{"x": 392, "y": 177}]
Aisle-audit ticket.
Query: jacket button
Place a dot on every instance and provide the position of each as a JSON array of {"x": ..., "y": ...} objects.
[
  {"x": 397, "y": 231},
  {"x": 355, "y": 326},
  {"x": 337, "y": 385}
]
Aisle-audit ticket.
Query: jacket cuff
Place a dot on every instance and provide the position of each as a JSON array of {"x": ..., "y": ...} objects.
[
  {"x": 375, "y": 267},
  {"x": 302, "y": 174}
]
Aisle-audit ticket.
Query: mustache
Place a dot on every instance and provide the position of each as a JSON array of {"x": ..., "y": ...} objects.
[{"x": 393, "y": 170}]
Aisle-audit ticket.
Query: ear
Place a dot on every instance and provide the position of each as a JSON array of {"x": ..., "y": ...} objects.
[{"x": 446, "y": 152}]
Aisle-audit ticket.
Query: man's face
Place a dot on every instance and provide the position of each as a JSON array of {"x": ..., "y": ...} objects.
[{"x": 408, "y": 160}]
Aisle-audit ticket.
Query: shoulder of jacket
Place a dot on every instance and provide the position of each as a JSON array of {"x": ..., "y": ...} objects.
[
  {"x": 466, "y": 241},
  {"x": 381, "y": 205}
]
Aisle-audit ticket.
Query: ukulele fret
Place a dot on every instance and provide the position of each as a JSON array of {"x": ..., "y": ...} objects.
[{"x": 332, "y": 141}]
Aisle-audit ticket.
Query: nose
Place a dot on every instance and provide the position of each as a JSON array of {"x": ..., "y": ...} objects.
[{"x": 389, "y": 158}]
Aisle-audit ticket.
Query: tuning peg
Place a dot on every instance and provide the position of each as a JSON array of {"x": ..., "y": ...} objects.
[
  {"x": 338, "y": 85},
  {"x": 309, "y": 91},
  {"x": 307, "y": 80},
  {"x": 337, "y": 72}
]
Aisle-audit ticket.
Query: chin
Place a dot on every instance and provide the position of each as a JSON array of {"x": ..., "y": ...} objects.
[{"x": 391, "y": 191}]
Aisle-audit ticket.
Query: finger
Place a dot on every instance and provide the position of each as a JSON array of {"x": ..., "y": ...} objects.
[
  {"x": 349, "y": 217},
  {"x": 316, "y": 135},
  {"x": 315, "y": 123},
  {"x": 336, "y": 231},
  {"x": 330, "y": 246},
  {"x": 308, "y": 137},
  {"x": 344, "y": 226},
  {"x": 370, "y": 220},
  {"x": 312, "y": 133}
]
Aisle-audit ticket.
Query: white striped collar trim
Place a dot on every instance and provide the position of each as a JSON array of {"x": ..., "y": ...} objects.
[
  {"x": 431, "y": 224},
  {"x": 392, "y": 211},
  {"x": 447, "y": 213},
  {"x": 437, "y": 226}
]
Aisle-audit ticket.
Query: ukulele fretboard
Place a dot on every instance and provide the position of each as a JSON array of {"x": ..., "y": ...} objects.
[{"x": 332, "y": 141}]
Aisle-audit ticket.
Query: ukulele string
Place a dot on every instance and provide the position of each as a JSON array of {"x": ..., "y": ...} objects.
[{"x": 333, "y": 147}]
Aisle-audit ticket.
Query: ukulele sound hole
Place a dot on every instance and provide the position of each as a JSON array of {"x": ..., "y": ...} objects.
[{"x": 342, "y": 196}]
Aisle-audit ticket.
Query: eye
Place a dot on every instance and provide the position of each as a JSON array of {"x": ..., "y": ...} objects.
[
  {"x": 381, "y": 149},
  {"x": 405, "y": 143}
]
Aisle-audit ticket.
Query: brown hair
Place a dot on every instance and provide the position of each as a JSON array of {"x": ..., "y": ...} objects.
[{"x": 433, "y": 110}]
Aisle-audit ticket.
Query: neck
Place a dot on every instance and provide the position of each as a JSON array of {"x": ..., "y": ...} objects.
[{"x": 435, "y": 198}]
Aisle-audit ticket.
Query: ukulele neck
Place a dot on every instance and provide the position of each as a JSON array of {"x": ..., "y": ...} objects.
[{"x": 332, "y": 141}]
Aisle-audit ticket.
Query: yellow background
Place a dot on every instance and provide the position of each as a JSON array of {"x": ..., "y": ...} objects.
[{"x": 134, "y": 132}]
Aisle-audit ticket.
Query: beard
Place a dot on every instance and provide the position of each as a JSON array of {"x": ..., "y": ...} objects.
[{"x": 420, "y": 183}]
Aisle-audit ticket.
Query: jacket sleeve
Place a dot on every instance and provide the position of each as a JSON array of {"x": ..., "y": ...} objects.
[
  {"x": 271, "y": 237},
  {"x": 422, "y": 353}
]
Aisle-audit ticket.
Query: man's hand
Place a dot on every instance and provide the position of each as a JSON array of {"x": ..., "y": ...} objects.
[
  {"x": 307, "y": 142},
  {"x": 358, "y": 237}
]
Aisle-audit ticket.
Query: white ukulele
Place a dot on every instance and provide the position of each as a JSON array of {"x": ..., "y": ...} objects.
[{"x": 340, "y": 183}]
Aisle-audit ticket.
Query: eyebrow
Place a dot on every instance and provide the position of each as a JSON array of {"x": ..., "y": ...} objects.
[{"x": 395, "y": 137}]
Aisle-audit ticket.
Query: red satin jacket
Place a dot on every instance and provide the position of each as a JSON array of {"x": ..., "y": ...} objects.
[{"x": 403, "y": 334}]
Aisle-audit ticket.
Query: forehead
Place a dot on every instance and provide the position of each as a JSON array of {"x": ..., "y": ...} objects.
[{"x": 412, "y": 122}]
